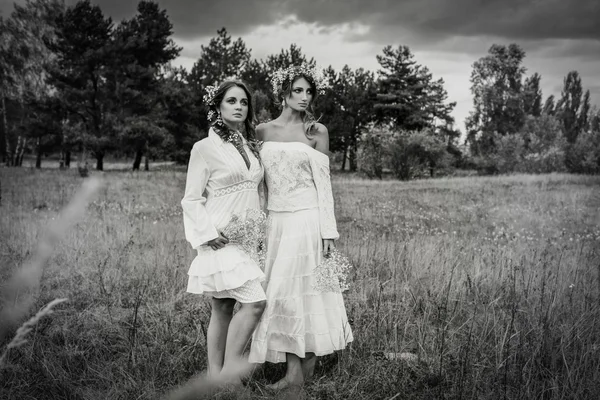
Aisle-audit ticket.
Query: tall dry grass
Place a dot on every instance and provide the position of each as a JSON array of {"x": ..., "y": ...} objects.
[{"x": 463, "y": 288}]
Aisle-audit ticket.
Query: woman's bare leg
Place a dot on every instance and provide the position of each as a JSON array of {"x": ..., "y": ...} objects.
[
  {"x": 240, "y": 329},
  {"x": 293, "y": 375},
  {"x": 216, "y": 336},
  {"x": 308, "y": 365}
]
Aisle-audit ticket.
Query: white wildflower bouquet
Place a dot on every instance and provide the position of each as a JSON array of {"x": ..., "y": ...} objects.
[
  {"x": 248, "y": 229},
  {"x": 332, "y": 273}
]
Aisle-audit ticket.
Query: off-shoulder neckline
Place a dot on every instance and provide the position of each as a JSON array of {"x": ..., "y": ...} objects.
[{"x": 316, "y": 152}]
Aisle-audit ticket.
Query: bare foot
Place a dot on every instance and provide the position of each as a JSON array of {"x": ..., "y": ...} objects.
[
  {"x": 284, "y": 383},
  {"x": 308, "y": 366},
  {"x": 232, "y": 377}
]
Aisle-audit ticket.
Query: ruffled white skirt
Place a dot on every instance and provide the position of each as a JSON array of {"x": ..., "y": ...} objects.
[
  {"x": 297, "y": 319},
  {"x": 226, "y": 273}
]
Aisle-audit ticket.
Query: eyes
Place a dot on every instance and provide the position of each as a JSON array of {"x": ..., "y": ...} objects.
[
  {"x": 299, "y": 90},
  {"x": 233, "y": 100}
]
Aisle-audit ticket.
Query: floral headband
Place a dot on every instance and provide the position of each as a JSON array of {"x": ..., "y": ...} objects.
[
  {"x": 287, "y": 74},
  {"x": 209, "y": 97},
  {"x": 211, "y": 90},
  {"x": 209, "y": 100}
]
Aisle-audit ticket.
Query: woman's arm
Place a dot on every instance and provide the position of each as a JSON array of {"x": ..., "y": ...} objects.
[
  {"x": 321, "y": 176},
  {"x": 199, "y": 229}
]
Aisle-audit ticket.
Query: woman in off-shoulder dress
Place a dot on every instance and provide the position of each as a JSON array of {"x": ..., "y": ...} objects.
[
  {"x": 223, "y": 175},
  {"x": 299, "y": 322}
]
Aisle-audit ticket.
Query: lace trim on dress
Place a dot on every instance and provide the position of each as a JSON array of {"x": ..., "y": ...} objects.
[{"x": 237, "y": 187}]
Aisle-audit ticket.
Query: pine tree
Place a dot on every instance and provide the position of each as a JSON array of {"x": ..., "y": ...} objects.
[
  {"x": 407, "y": 96},
  {"x": 83, "y": 50},
  {"x": 146, "y": 47}
]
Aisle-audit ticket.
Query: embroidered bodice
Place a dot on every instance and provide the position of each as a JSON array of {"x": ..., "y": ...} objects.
[
  {"x": 297, "y": 178},
  {"x": 289, "y": 178}
]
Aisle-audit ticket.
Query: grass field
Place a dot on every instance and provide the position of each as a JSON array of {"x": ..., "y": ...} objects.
[{"x": 463, "y": 288}]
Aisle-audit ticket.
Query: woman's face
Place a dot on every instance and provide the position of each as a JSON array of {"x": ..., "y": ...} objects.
[
  {"x": 234, "y": 106},
  {"x": 302, "y": 95}
]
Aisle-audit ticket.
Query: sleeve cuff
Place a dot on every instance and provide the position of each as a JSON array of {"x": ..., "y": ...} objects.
[{"x": 203, "y": 240}]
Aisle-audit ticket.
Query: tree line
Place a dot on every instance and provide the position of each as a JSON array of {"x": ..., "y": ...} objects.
[
  {"x": 513, "y": 128},
  {"x": 74, "y": 82}
]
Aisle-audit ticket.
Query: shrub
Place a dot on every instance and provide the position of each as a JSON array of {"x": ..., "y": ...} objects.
[
  {"x": 374, "y": 151},
  {"x": 417, "y": 153},
  {"x": 584, "y": 155}
]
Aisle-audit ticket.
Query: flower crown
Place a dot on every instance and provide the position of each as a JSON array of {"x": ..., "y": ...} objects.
[
  {"x": 209, "y": 97},
  {"x": 287, "y": 74}
]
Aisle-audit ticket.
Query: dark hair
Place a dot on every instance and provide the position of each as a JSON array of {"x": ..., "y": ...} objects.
[
  {"x": 249, "y": 123},
  {"x": 308, "y": 116}
]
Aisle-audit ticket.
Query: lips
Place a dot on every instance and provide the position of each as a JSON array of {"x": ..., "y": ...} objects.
[{"x": 237, "y": 115}]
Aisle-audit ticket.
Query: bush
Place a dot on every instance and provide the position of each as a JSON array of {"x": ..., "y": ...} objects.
[
  {"x": 584, "y": 155},
  {"x": 406, "y": 154},
  {"x": 539, "y": 148},
  {"x": 374, "y": 151},
  {"x": 418, "y": 154},
  {"x": 545, "y": 145}
]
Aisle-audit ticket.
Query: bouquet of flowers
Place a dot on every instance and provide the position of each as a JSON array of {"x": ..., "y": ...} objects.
[
  {"x": 248, "y": 229},
  {"x": 332, "y": 273}
]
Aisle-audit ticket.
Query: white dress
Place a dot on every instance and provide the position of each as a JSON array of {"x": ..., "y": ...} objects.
[
  {"x": 298, "y": 319},
  {"x": 219, "y": 185}
]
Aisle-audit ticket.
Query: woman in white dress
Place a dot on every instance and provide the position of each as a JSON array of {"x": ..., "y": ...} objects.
[
  {"x": 222, "y": 180},
  {"x": 299, "y": 322}
]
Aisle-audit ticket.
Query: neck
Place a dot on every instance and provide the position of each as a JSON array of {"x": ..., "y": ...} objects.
[
  {"x": 290, "y": 117},
  {"x": 231, "y": 125},
  {"x": 232, "y": 129}
]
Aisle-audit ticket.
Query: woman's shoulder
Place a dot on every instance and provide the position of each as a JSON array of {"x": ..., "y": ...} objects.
[
  {"x": 321, "y": 130},
  {"x": 203, "y": 146},
  {"x": 321, "y": 138},
  {"x": 263, "y": 129},
  {"x": 320, "y": 133},
  {"x": 260, "y": 130}
]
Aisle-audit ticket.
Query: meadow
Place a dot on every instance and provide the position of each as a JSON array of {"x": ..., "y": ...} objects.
[{"x": 462, "y": 288}]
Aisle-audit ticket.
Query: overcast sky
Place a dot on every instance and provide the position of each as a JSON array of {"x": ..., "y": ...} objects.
[{"x": 446, "y": 36}]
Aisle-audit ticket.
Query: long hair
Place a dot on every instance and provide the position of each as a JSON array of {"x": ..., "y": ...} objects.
[
  {"x": 308, "y": 115},
  {"x": 249, "y": 123}
]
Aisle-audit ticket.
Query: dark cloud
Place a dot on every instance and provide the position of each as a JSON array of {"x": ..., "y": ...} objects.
[
  {"x": 426, "y": 21},
  {"x": 512, "y": 19},
  {"x": 192, "y": 18}
]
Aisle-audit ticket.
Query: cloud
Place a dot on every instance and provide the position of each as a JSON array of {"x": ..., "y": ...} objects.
[
  {"x": 196, "y": 18},
  {"x": 457, "y": 25},
  {"x": 555, "y": 27},
  {"x": 515, "y": 19}
]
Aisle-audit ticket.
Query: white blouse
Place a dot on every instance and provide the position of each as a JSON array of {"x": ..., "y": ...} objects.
[{"x": 218, "y": 185}]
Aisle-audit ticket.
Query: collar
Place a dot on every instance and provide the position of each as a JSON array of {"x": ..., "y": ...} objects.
[
  {"x": 218, "y": 140},
  {"x": 214, "y": 136}
]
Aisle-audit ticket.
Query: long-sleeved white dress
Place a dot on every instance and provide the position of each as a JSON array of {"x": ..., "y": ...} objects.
[
  {"x": 297, "y": 318},
  {"x": 219, "y": 185}
]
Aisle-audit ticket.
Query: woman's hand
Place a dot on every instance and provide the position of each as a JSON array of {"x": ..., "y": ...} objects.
[
  {"x": 218, "y": 243},
  {"x": 328, "y": 246}
]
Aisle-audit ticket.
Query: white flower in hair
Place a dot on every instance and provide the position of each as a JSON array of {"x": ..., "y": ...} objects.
[
  {"x": 209, "y": 97},
  {"x": 211, "y": 115},
  {"x": 283, "y": 75}
]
